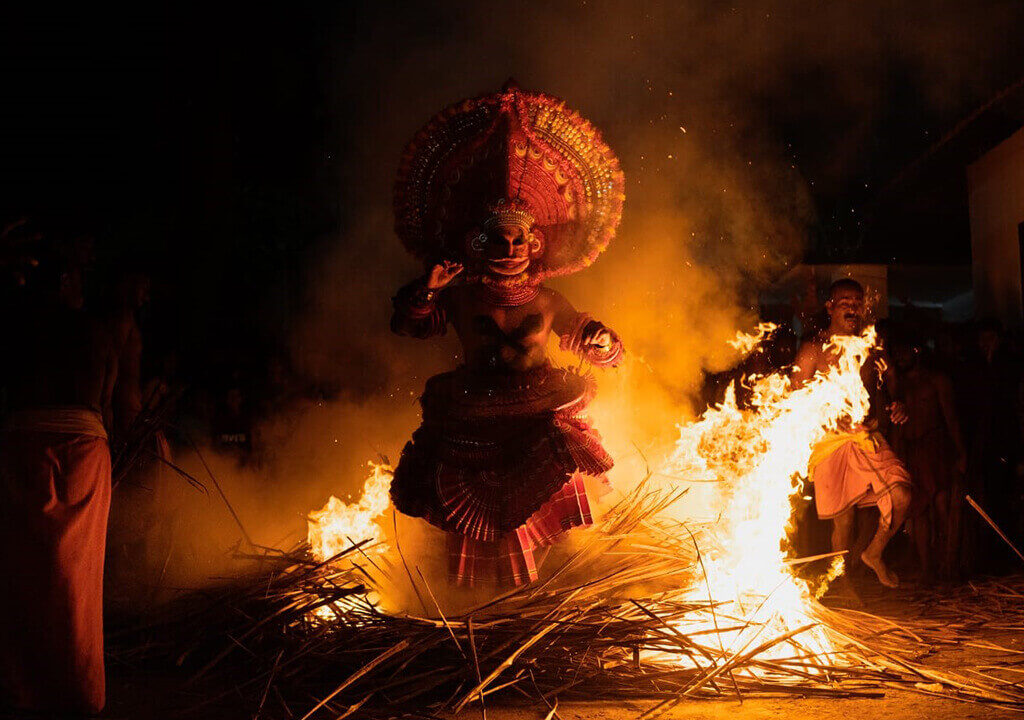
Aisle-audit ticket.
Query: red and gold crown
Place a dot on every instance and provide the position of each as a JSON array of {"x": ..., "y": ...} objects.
[
  {"x": 547, "y": 167},
  {"x": 509, "y": 213}
]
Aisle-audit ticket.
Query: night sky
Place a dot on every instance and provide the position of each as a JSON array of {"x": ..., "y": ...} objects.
[{"x": 224, "y": 150}]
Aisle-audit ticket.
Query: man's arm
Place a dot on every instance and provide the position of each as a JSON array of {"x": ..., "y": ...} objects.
[
  {"x": 563, "y": 313},
  {"x": 897, "y": 410},
  {"x": 127, "y": 400},
  {"x": 420, "y": 310},
  {"x": 944, "y": 388},
  {"x": 104, "y": 346},
  {"x": 806, "y": 363}
]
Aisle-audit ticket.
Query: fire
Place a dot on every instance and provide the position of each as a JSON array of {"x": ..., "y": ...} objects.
[
  {"x": 748, "y": 464},
  {"x": 745, "y": 342},
  {"x": 743, "y": 466},
  {"x": 337, "y": 525}
]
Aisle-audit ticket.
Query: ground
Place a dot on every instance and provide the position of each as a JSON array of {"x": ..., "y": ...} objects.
[
  {"x": 901, "y": 705},
  {"x": 140, "y": 700}
]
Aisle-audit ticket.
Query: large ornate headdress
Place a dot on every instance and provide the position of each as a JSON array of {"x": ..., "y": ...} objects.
[{"x": 513, "y": 157}]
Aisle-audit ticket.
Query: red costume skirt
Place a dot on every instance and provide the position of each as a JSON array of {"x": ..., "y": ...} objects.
[
  {"x": 499, "y": 463},
  {"x": 54, "y": 499}
]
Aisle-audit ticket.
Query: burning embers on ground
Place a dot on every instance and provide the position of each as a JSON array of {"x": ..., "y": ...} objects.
[{"x": 740, "y": 467}]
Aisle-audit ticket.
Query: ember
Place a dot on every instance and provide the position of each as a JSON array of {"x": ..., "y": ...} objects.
[
  {"x": 503, "y": 251},
  {"x": 707, "y": 587}
]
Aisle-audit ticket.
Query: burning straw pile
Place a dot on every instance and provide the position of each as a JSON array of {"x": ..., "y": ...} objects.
[
  {"x": 651, "y": 604},
  {"x": 305, "y": 639}
]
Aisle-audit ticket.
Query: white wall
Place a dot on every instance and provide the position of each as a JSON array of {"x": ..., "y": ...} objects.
[{"x": 996, "y": 194}]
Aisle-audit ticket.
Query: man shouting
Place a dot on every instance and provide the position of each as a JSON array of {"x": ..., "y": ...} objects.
[{"x": 854, "y": 466}]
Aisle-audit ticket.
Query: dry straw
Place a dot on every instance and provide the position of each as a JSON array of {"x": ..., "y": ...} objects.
[{"x": 611, "y": 623}]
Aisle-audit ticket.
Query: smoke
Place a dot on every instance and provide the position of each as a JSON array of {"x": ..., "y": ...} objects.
[{"x": 699, "y": 100}]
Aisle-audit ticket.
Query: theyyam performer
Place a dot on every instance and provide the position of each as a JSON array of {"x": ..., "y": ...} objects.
[
  {"x": 854, "y": 466},
  {"x": 495, "y": 194}
]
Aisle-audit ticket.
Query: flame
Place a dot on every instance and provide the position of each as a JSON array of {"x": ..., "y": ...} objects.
[
  {"x": 338, "y": 525},
  {"x": 748, "y": 463},
  {"x": 745, "y": 342},
  {"x": 835, "y": 569}
]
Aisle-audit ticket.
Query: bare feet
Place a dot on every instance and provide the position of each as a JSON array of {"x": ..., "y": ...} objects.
[{"x": 885, "y": 576}]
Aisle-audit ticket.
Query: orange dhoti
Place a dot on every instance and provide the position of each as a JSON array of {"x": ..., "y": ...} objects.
[
  {"x": 54, "y": 500},
  {"x": 855, "y": 468}
]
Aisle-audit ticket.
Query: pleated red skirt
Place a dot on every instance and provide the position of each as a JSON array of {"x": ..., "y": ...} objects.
[{"x": 499, "y": 463}]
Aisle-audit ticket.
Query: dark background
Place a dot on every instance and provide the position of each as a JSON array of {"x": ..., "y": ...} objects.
[{"x": 223, "y": 149}]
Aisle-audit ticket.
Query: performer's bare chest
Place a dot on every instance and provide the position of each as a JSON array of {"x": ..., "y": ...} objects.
[{"x": 528, "y": 324}]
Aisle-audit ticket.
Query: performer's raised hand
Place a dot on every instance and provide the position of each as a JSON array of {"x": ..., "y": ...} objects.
[
  {"x": 602, "y": 340},
  {"x": 442, "y": 274},
  {"x": 599, "y": 337}
]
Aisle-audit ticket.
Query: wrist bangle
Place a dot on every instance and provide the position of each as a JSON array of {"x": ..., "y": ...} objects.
[{"x": 423, "y": 296}]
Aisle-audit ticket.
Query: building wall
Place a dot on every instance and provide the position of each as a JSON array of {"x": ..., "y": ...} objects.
[{"x": 996, "y": 195}]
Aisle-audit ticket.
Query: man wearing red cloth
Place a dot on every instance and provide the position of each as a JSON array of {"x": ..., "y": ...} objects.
[
  {"x": 494, "y": 195},
  {"x": 54, "y": 499}
]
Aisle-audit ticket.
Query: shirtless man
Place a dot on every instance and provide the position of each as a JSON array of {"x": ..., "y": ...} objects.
[
  {"x": 855, "y": 467},
  {"x": 54, "y": 499},
  {"x": 931, "y": 445}
]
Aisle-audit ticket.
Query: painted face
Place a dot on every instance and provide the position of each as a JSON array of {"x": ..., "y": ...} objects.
[
  {"x": 504, "y": 250},
  {"x": 846, "y": 311}
]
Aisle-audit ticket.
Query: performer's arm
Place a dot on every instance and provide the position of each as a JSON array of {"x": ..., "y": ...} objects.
[
  {"x": 419, "y": 308},
  {"x": 584, "y": 336}
]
